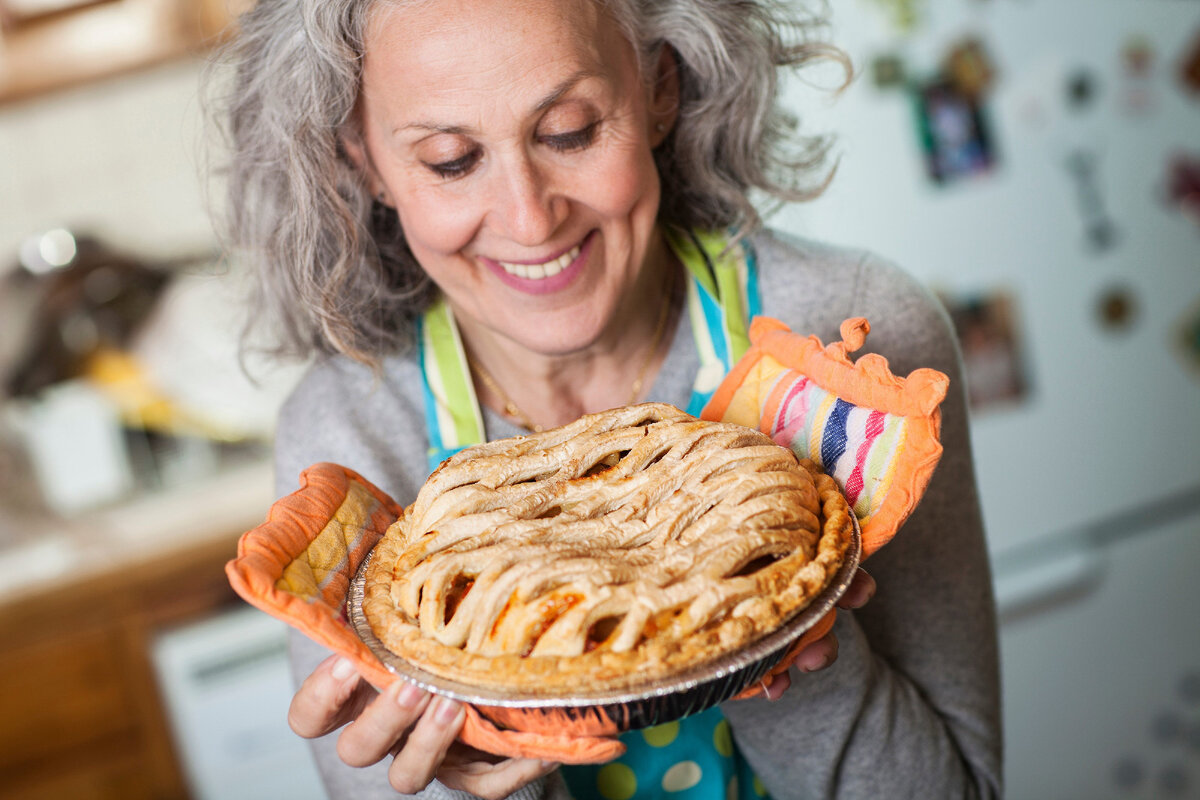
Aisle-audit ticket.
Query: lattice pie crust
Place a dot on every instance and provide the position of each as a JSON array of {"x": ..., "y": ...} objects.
[{"x": 624, "y": 547}]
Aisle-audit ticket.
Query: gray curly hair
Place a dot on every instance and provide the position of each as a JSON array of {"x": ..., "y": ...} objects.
[{"x": 334, "y": 272}]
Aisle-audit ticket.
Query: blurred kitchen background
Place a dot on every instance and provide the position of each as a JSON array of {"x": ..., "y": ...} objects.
[
  {"x": 1035, "y": 162},
  {"x": 133, "y": 448}
]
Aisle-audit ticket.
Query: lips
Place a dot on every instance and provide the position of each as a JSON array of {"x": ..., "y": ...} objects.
[
  {"x": 547, "y": 269},
  {"x": 543, "y": 277}
]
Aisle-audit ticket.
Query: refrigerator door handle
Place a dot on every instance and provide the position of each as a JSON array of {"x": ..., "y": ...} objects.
[{"x": 1043, "y": 581}]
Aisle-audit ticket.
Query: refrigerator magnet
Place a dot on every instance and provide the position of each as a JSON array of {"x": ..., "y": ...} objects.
[
  {"x": 888, "y": 72},
  {"x": 904, "y": 15},
  {"x": 987, "y": 328},
  {"x": 1117, "y": 309},
  {"x": 1032, "y": 94},
  {"x": 1137, "y": 56},
  {"x": 954, "y": 133},
  {"x": 1187, "y": 337},
  {"x": 968, "y": 67},
  {"x": 1081, "y": 90},
  {"x": 1137, "y": 67},
  {"x": 1189, "y": 66},
  {"x": 1100, "y": 231},
  {"x": 1183, "y": 185}
]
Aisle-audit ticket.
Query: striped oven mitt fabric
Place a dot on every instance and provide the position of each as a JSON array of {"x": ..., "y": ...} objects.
[{"x": 875, "y": 433}]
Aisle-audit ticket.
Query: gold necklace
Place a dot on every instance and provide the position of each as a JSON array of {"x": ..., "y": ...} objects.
[{"x": 513, "y": 411}]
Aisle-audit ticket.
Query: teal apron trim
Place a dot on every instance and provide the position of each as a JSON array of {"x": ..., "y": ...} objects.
[
  {"x": 722, "y": 298},
  {"x": 693, "y": 758}
]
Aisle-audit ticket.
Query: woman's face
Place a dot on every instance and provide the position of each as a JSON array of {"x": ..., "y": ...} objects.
[{"x": 514, "y": 138}]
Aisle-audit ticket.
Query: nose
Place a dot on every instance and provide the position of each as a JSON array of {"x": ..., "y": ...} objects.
[{"x": 526, "y": 206}]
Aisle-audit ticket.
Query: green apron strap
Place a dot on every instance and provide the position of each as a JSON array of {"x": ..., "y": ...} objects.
[{"x": 452, "y": 414}]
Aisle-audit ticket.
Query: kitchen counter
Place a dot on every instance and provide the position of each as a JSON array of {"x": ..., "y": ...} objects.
[{"x": 39, "y": 554}]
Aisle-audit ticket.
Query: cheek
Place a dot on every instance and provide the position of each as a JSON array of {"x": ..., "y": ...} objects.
[
  {"x": 626, "y": 188},
  {"x": 434, "y": 225}
]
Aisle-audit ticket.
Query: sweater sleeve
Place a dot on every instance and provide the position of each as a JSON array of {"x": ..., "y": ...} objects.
[{"x": 911, "y": 706}]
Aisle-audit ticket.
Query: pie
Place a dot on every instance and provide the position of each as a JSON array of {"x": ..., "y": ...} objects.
[{"x": 627, "y": 546}]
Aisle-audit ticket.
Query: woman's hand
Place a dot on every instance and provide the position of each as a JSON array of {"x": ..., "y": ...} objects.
[
  {"x": 823, "y": 652},
  {"x": 416, "y": 728}
]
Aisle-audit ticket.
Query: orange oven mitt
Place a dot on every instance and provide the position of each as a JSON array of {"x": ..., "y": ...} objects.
[
  {"x": 298, "y": 565},
  {"x": 875, "y": 433}
]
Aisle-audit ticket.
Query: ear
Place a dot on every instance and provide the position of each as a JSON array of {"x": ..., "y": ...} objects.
[
  {"x": 664, "y": 96},
  {"x": 351, "y": 142}
]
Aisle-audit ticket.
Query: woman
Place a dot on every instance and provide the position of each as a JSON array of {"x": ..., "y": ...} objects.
[{"x": 523, "y": 183}]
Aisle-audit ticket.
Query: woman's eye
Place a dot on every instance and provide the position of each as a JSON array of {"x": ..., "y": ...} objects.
[
  {"x": 572, "y": 140},
  {"x": 455, "y": 168}
]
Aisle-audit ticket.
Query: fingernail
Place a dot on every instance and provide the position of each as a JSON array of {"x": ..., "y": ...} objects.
[
  {"x": 446, "y": 711},
  {"x": 815, "y": 666},
  {"x": 408, "y": 696},
  {"x": 869, "y": 592},
  {"x": 342, "y": 669},
  {"x": 549, "y": 765}
]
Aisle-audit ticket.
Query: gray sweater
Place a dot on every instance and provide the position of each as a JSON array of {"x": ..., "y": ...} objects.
[{"x": 910, "y": 709}]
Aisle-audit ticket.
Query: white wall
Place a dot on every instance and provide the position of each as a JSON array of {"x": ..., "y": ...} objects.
[{"x": 118, "y": 158}]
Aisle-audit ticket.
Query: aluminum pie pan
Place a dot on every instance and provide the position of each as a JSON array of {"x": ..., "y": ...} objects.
[{"x": 638, "y": 705}]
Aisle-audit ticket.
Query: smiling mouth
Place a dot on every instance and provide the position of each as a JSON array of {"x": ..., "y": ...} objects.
[{"x": 547, "y": 269}]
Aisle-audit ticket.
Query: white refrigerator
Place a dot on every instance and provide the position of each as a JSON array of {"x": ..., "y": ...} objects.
[{"x": 1036, "y": 162}]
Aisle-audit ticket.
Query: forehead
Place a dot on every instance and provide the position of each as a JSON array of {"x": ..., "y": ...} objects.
[{"x": 414, "y": 50}]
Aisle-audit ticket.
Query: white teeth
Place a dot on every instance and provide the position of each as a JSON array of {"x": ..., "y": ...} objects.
[{"x": 538, "y": 272}]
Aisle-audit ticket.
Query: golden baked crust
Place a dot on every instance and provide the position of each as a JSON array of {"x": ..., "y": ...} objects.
[{"x": 624, "y": 547}]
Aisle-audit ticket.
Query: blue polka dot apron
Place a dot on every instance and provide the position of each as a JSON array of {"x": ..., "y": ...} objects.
[{"x": 694, "y": 758}]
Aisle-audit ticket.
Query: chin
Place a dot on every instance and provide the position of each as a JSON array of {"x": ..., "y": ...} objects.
[{"x": 568, "y": 338}]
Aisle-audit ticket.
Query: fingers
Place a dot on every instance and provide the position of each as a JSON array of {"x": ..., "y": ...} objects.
[
  {"x": 859, "y": 592},
  {"x": 824, "y": 651},
  {"x": 774, "y": 688},
  {"x": 329, "y": 698},
  {"x": 818, "y": 655},
  {"x": 403, "y": 720},
  {"x": 492, "y": 781},
  {"x": 382, "y": 724},
  {"x": 417, "y": 762}
]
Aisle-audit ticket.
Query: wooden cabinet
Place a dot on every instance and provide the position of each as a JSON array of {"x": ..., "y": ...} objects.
[
  {"x": 82, "y": 713},
  {"x": 76, "y": 41}
]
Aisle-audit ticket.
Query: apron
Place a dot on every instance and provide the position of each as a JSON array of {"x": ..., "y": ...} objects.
[{"x": 694, "y": 758}]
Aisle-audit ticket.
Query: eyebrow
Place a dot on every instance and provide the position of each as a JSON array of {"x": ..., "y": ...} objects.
[{"x": 553, "y": 97}]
